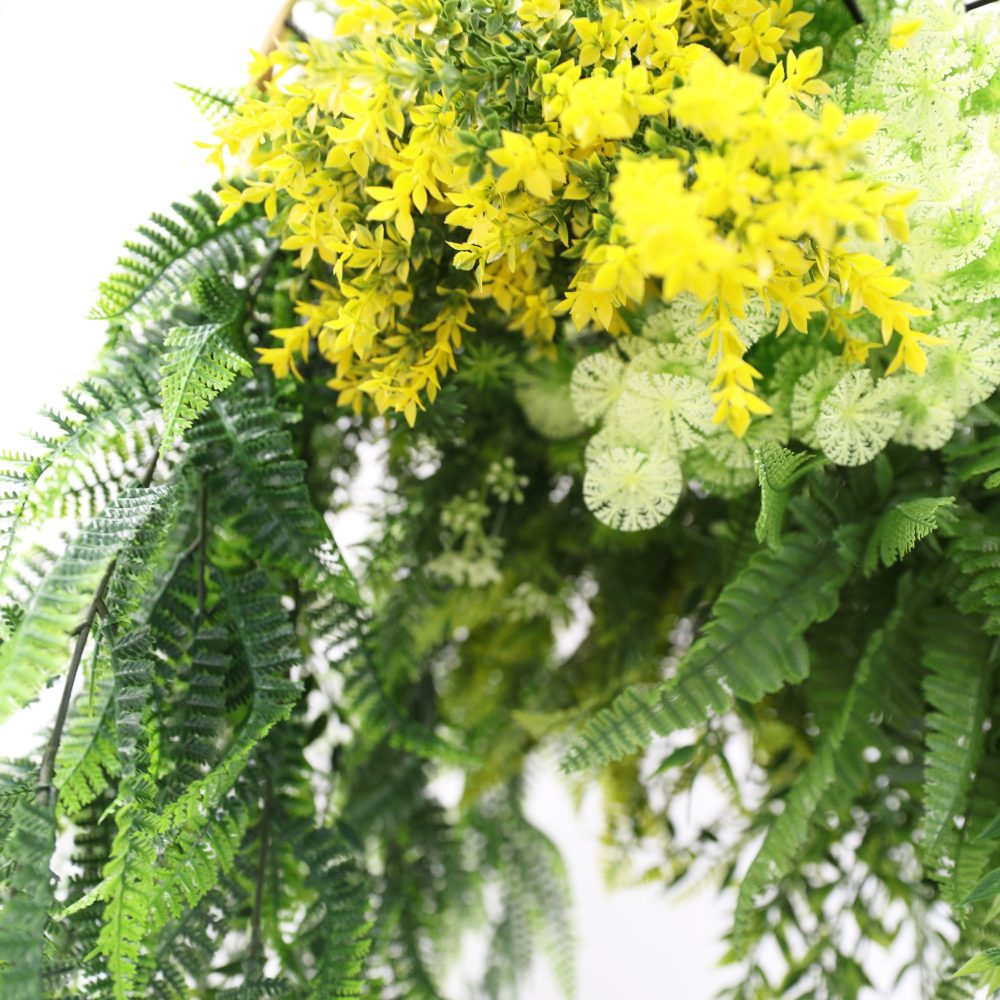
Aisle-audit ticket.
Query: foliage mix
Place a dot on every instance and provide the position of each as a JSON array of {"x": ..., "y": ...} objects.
[{"x": 672, "y": 330}]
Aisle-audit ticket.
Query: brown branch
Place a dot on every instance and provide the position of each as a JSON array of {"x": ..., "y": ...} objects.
[{"x": 281, "y": 25}]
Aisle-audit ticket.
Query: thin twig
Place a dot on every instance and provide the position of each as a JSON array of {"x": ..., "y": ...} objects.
[
  {"x": 43, "y": 795},
  {"x": 280, "y": 25},
  {"x": 855, "y": 11}
]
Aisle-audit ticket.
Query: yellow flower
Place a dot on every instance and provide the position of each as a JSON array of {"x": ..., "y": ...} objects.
[
  {"x": 394, "y": 203},
  {"x": 902, "y": 31},
  {"x": 529, "y": 160}
]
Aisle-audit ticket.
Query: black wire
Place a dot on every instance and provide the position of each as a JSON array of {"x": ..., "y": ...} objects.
[{"x": 977, "y": 3}]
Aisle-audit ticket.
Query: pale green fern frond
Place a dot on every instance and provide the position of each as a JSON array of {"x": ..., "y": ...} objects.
[
  {"x": 172, "y": 251},
  {"x": 778, "y": 470},
  {"x": 88, "y": 756},
  {"x": 38, "y": 648},
  {"x": 899, "y": 529},
  {"x": 215, "y": 105}
]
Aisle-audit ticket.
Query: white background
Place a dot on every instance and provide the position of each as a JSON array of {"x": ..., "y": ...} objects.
[{"x": 95, "y": 138}]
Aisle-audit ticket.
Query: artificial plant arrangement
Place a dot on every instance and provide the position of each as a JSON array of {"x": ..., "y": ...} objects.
[{"x": 673, "y": 325}]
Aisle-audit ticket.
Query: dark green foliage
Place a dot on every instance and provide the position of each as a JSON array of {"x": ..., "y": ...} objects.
[{"x": 753, "y": 646}]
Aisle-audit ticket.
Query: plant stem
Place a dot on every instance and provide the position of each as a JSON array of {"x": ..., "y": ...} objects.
[
  {"x": 855, "y": 11},
  {"x": 43, "y": 795}
]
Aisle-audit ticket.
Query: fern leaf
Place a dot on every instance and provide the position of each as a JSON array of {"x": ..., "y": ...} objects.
[
  {"x": 213, "y": 104},
  {"x": 900, "y": 528},
  {"x": 985, "y": 966},
  {"x": 194, "y": 862},
  {"x": 264, "y": 634},
  {"x": 88, "y": 756},
  {"x": 975, "y": 552},
  {"x": 253, "y": 475},
  {"x": 197, "y": 366},
  {"x": 172, "y": 251},
  {"x": 752, "y": 646},
  {"x": 37, "y": 650},
  {"x": 778, "y": 469},
  {"x": 345, "y": 926},
  {"x": 30, "y": 840},
  {"x": 833, "y": 776},
  {"x": 956, "y": 657},
  {"x": 109, "y": 413},
  {"x": 130, "y": 874}
]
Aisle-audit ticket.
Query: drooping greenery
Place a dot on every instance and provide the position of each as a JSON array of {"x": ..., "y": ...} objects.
[{"x": 275, "y": 775}]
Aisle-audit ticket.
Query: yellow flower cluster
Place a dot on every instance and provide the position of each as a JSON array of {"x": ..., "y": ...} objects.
[{"x": 442, "y": 171}]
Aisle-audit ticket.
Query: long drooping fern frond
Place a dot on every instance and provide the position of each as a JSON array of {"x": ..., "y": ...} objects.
[
  {"x": 960, "y": 665},
  {"x": 130, "y": 874},
  {"x": 199, "y": 362},
  {"x": 752, "y": 646},
  {"x": 28, "y": 899},
  {"x": 253, "y": 476},
  {"x": 838, "y": 769},
  {"x": 37, "y": 650},
  {"x": 172, "y": 251},
  {"x": 109, "y": 415},
  {"x": 266, "y": 640},
  {"x": 342, "y": 919},
  {"x": 193, "y": 863}
]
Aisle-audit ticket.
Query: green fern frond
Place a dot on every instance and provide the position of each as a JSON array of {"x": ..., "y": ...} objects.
[
  {"x": 835, "y": 774},
  {"x": 108, "y": 415},
  {"x": 194, "y": 862},
  {"x": 985, "y": 967},
  {"x": 30, "y": 840},
  {"x": 38, "y": 649},
  {"x": 975, "y": 553},
  {"x": 778, "y": 470},
  {"x": 199, "y": 362},
  {"x": 958, "y": 661},
  {"x": 88, "y": 756},
  {"x": 172, "y": 251},
  {"x": 213, "y": 104},
  {"x": 752, "y": 646},
  {"x": 979, "y": 457},
  {"x": 130, "y": 874},
  {"x": 264, "y": 636},
  {"x": 899, "y": 529},
  {"x": 342, "y": 918},
  {"x": 253, "y": 476}
]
